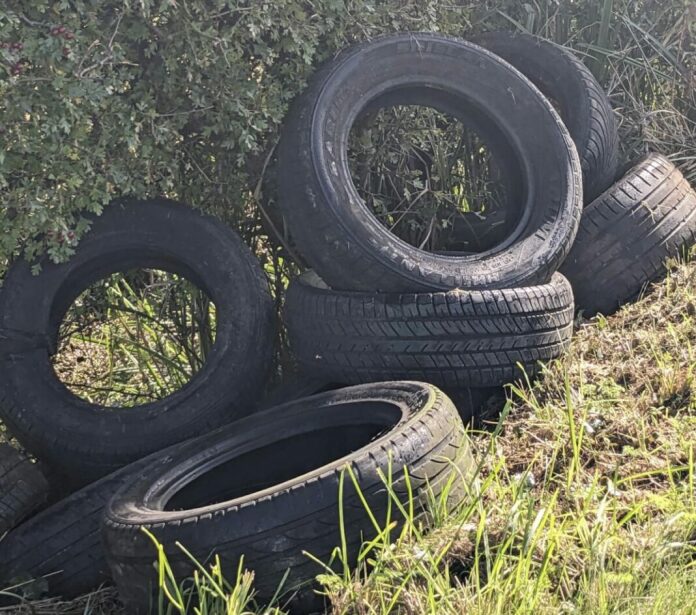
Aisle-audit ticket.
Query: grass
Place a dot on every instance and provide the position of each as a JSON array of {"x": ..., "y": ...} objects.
[
  {"x": 585, "y": 501},
  {"x": 134, "y": 337}
]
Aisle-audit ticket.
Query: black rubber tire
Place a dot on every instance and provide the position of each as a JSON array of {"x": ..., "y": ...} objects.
[
  {"x": 63, "y": 542},
  {"x": 81, "y": 440},
  {"x": 454, "y": 340},
  {"x": 23, "y": 488},
  {"x": 413, "y": 423},
  {"x": 580, "y": 100},
  {"x": 628, "y": 233},
  {"x": 345, "y": 243}
]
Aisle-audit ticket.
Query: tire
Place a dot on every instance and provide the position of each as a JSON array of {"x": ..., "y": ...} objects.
[
  {"x": 23, "y": 488},
  {"x": 344, "y": 242},
  {"x": 81, "y": 440},
  {"x": 287, "y": 502},
  {"x": 580, "y": 100},
  {"x": 63, "y": 542},
  {"x": 454, "y": 340},
  {"x": 627, "y": 234}
]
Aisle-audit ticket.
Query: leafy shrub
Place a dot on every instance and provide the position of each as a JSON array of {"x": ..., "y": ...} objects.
[{"x": 185, "y": 98}]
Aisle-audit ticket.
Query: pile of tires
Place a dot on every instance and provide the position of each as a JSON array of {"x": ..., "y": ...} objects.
[
  {"x": 263, "y": 489},
  {"x": 208, "y": 468},
  {"x": 375, "y": 307}
]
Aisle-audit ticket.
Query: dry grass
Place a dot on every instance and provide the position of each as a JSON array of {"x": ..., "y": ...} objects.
[
  {"x": 102, "y": 602},
  {"x": 628, "y": 381}
]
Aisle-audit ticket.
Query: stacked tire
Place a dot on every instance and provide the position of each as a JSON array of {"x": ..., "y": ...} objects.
[
  {"x": 264, "y": 489},
  {"x": 456, "y": 340},
  {"x": 274, "y": 487},
  {"x": 23, "y": 487},
  {"x": 88, "y": 450},
  {"x": 375, "y": 307},
  {"x": 378, "y": 308}
]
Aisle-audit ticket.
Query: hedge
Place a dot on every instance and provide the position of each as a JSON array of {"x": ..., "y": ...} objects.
[{"x": 185, "y": 98}]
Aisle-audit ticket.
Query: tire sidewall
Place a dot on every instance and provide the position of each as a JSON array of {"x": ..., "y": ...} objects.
[
  {"x": 76, "y": 435},
  {"x": 543, "y": 148}
]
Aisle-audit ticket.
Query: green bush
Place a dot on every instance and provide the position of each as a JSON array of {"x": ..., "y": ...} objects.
[{"x": 185, "y": 98}]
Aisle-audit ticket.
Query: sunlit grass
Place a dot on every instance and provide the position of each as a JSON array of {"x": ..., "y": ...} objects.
[
  {"x": 584, "y": 500},
  {"x": 134, "y": 337}
]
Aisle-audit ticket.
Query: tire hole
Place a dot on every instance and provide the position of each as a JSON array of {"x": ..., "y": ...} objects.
[
  {"x": 280, "y": 461},
  {"x": 134, "y": 337},
  {"x": 430, "y": 179}
]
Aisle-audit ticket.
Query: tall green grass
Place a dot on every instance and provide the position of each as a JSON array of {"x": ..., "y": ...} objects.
[
  {"x": 568, "y": 540},
  {"x": 134, "y": 337}
]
